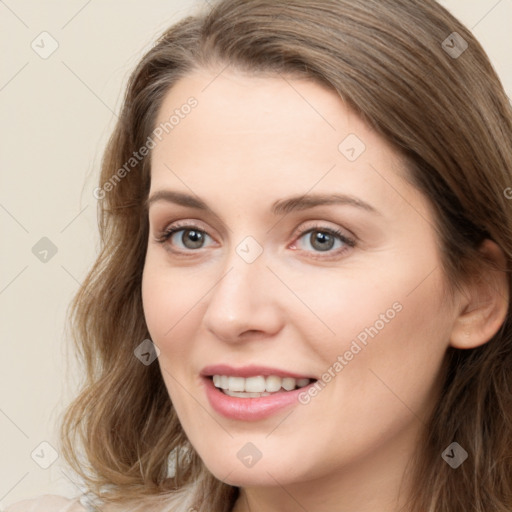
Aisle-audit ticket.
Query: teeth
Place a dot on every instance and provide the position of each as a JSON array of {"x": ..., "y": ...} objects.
[
  {"x": 236, "y": 384},
  {"x": 257, "y": 385},
  {"x": 273, "y": 383},
  {"x": 288, "y": 383},
  {"x": 245, "y": 395}
]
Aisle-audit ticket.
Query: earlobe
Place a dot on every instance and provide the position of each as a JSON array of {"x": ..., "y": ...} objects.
[{"x": 486, "y": 301}]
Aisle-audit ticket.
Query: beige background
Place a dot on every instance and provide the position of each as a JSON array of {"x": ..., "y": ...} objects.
[{"x": 56, "y": 114}]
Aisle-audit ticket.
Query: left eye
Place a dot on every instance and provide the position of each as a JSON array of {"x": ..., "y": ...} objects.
[{"x": 324, "y": 239}]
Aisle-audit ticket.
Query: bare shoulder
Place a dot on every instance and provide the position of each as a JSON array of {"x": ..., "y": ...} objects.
[{"x": 47, "y": 503}]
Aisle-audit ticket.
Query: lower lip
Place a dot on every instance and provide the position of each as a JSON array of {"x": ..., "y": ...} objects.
[{"x": 250, "y": 409}]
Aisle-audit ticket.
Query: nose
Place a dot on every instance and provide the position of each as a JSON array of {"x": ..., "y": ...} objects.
[{"x": 243, "y": 303}]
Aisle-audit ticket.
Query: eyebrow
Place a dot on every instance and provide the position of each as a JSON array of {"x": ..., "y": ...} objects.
[{"x": 281, "y": 207}]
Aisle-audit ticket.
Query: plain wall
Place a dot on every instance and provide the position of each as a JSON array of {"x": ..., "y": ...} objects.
[{"x": 56, "y": 115}]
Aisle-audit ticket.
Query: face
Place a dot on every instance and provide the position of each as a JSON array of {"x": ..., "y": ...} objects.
[{"x": 287, "y": 251}]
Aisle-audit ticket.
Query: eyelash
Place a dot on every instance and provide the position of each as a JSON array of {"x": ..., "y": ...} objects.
[{"x": 165, "y": 235}]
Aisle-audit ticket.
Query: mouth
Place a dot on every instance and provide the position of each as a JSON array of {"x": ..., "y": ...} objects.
[
  {"x": 257, "y": 386},
  {"x": 252, "y": 393}
]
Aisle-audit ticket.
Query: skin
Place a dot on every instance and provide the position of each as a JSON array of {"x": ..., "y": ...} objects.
[{"x": 251, "y": 141}]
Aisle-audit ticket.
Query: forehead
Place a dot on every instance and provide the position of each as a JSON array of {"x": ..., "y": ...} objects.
[
  {"x": 243, "y": 110},
  {"x": 270, "y": 135}
]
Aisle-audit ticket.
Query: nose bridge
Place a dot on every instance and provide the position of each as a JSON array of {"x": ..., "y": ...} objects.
[
  {"x": 245, "y": 266},
  {"x": 242, "y": 299}
]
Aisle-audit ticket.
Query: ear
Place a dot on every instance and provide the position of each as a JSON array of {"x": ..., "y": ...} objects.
[{"x": 484, "y": 306}]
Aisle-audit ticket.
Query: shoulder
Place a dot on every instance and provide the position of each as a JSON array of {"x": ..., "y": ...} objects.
[{"x": 47, "y": 503}]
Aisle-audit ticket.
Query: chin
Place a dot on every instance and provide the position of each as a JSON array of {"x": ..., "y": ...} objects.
[
  {"x": 250, "y": 477},
  {"x": 264, "y": 472}
]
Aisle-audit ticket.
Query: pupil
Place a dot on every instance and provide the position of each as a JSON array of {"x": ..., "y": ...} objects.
[
  {"x": 322, "y": 238},
  {"x": 193, "y": 236}
]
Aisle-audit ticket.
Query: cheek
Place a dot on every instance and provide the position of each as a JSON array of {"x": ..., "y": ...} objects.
[
  {"x": 168, "y": 297},
  {"x": 392, "y": 339},
  {"x": 394, "y": 325},
  {"x": 170, "y": 303},
  {"x": 344, "y": 308}
]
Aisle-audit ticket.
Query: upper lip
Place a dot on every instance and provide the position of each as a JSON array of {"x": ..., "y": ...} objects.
[{"x": 249, "y": 371}]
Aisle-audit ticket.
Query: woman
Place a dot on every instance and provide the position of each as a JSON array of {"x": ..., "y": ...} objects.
[{"x": 302, "y": 299}]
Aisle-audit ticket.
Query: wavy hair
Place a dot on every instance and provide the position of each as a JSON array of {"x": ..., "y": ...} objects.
[{"x": 451, "y": 120}]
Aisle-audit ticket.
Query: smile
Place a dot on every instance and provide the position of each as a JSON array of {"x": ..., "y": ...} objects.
[
  {"x": 258, "y": 386},
  {"x": 252, "y": 393}
]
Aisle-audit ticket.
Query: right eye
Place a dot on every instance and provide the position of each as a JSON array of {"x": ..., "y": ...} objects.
[{"x": 191, "y": 238}]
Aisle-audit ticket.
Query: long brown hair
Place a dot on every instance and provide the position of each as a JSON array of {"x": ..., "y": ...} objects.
[{"x": 444, "y": 110}]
